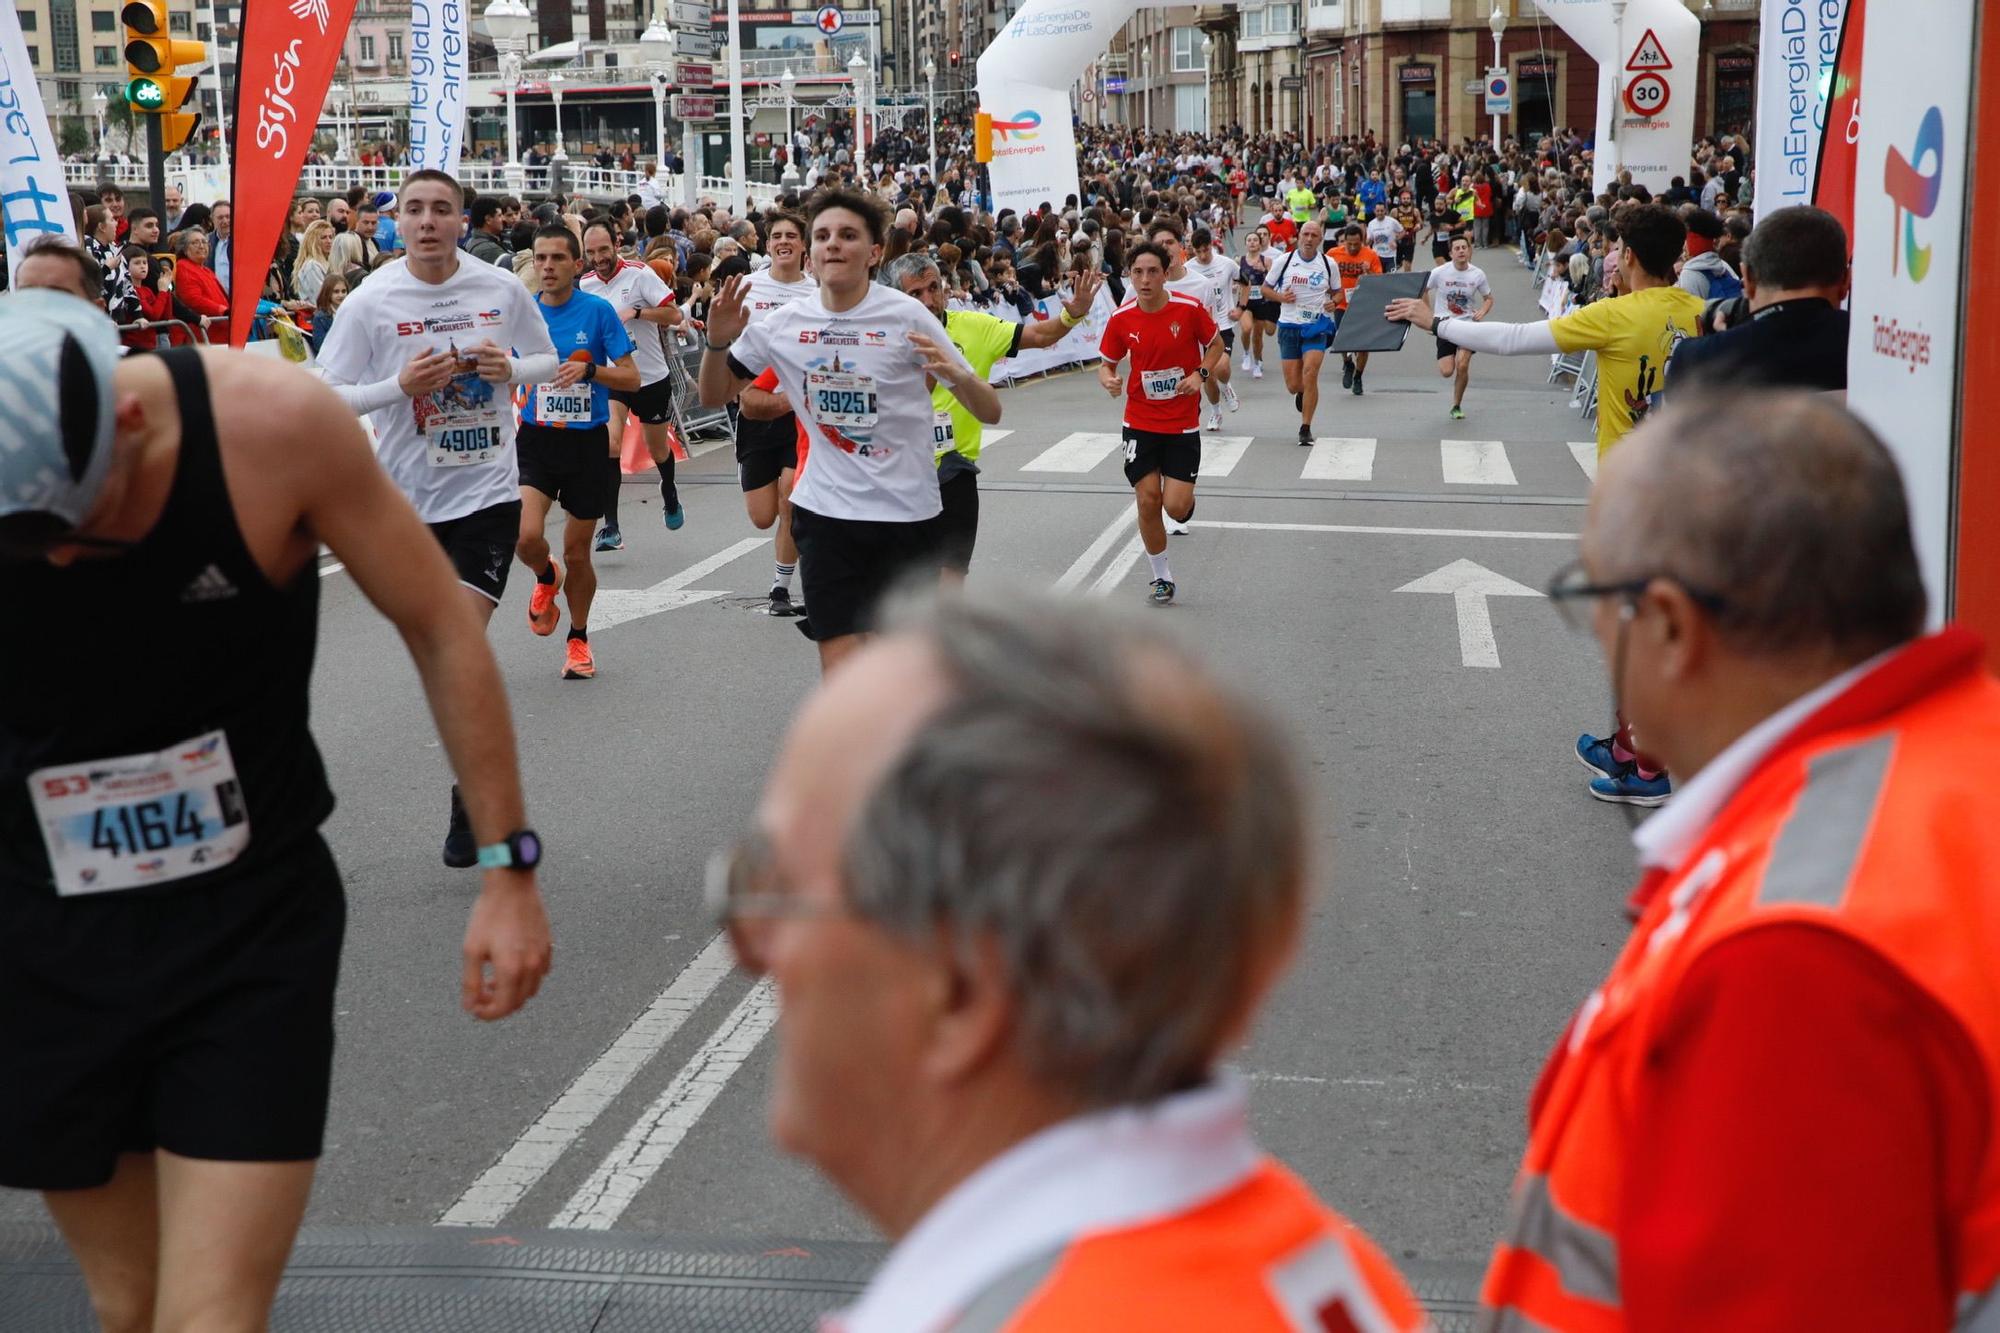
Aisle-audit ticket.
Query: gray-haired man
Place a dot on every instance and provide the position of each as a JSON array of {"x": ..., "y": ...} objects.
[{"x": 996, "y": 1048}]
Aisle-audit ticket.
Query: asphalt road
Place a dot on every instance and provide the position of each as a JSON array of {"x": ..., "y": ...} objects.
[{"x": 1468, "y": 888}]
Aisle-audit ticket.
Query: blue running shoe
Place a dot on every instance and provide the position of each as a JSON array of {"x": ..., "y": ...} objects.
[
  {"x": 1628, "y": 788},
  {"x": 1594, "y": 753},
  {"x": 675, "y": 517},
  {"x": 609, "y": 540},
  {"x": 1163, "y": 592}
]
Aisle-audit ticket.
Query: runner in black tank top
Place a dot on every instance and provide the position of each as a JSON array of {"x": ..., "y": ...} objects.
[{"x": 171, "y": 917}]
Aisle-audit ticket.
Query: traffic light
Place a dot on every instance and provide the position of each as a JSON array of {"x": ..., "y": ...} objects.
[
  {"x": 953, "y": 58},
  {"x": 153, "y": 59}
]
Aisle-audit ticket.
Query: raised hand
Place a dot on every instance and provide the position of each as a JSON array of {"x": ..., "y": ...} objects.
[{"x": 729, "y": 312}]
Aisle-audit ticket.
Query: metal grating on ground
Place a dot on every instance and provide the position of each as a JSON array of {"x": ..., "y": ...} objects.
[{"x": 452, "y": 1280}]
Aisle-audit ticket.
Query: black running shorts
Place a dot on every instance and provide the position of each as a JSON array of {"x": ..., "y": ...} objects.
[
  {"x": 764, "y": 449},
  {"x": 847, "y": 564},
  {"x": 1447, "y": 349},
  {"x": 568, "y": 466},
  {"x": 1176, "y": 456},
  {"x": 480, "y": 546},
  {"x": 197, "y": 1020},
  {"x": 958, "y": 487},
  {"x": 652, "y": 403}
]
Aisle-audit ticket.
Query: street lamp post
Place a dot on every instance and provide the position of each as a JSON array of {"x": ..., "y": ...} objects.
[
  {"x": 930, "y": 104},
  {"x": 739, "y": 168},
  {"x": 656, "y": 45},
  {"x": 507, "y": 23},
  {"x": 857, "y": 71},
  {"x": 787, "y": 80},
  {"x": 561, "y": 153},
  {"x": 1146, "y": 77},
  {"x": 1207, "y": 84},
  {"x": 337, "y": 94},
  {"x": 1496, "y": 24}
]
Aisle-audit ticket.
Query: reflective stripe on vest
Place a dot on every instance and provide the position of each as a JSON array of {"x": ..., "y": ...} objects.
[
  {"x": 1585, "y": 1258},
  {"x": 1814, "y": 858}
]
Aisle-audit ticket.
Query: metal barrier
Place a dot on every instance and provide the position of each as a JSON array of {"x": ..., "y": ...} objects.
[
  {"x": 163, "y": 327},
  {"x": 692, "y": 421},
  {"x": 576, "y": 178}
]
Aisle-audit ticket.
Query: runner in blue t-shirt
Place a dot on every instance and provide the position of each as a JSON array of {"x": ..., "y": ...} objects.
[{"x": 563, "y": 442}]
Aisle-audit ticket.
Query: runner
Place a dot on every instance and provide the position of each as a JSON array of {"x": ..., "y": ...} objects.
[
  {"x": 1260, "y": 316},
  {"x": 770, "y": 451},
  {"x": 986, "y": 340},
  {"x": 1219, "y": 272},
  {"x": 562, "y": 442},
  {"x": 645, "y": 305},
  {"x": 1411, "y": 219},
  {"x": 404, "y": 352},
  {"x": 173, "y": 920},
  {"x": 1355, "y": 262},
  {"x": 1456, "y": 289},
  {"x": 858, "y": 363},
  {"x": 1385, "y": 237},
  {"x": 1169, "y": 339},
  {"x": 1302, "y": 284}
]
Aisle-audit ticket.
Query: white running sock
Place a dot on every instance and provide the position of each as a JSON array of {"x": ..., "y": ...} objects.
[
  {"x": 783, "y": 578},
  {"x": 1159, "y": 564}
]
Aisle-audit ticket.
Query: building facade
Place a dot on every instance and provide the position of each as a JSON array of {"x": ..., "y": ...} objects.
[{"x": 77, "y": 50}]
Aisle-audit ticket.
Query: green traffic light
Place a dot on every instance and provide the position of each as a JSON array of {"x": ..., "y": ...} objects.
[{"x": 145, "y": 95}]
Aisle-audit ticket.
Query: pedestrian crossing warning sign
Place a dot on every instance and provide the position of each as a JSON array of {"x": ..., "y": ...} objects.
[{"x": 1649, "y": 54}]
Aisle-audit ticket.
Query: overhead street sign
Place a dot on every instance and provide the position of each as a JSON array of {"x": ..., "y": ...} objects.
[
  {"x": 689, "y": 13},
  {"x": 694, "y": 45},
  {"x": 693, "y": 106}
]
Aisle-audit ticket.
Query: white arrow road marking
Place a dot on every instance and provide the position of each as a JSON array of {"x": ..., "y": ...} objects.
[
  {"x": 1476, "y": 463},
  {"x": 615, "y": 606},
  {"x": 602, "y": 1199},
  {"x": 488, "y": 1200},
  {"x": 1470, "y": 585},
  {"x": 1585, "y": 454}
]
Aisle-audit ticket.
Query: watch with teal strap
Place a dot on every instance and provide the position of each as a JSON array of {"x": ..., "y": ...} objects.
[{"x": 521, "y": 850}]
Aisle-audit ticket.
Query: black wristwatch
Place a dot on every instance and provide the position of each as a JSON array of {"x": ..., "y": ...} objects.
[
  {"x": 590, "y": 371},
  {"x": 520, "y": 850},
  {"x": 1203, "y": 372}
]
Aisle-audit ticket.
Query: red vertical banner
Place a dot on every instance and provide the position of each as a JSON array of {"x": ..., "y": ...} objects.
[
  {"x": 1839, "y": 145},
  {"x": 1976, "y": 497},
  {"x": 285, "y": 63}
]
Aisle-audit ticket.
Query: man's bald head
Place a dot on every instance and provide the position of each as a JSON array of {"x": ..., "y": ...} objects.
[{"x": 1783, "y": 504}]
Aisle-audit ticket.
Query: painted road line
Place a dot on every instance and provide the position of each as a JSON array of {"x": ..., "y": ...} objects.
[
  {"x": 1476, "y": 463},
  {"x": 1105, "y": 540},
  {"x": 1469, "y": 584},
  {"x": 1120, "y": 566},
  {"x": 328, "y": 571},
  {"x": 1221, "y": 453},
  {"x": 615, "y": 606},
  {"x": 993, "y": 435},
  {"x": 1585, "y": 454},
  {"x": 602, "y": 1199},
  {"x": 1334, "y": 458},
  {"x": 490, "y": 1198},
  {"x": 1386, "y": 532},
  {"x": 1079, "y": 451}
]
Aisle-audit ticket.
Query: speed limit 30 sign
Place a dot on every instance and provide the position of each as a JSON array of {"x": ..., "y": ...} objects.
[{"x": 1647, "y": 95}]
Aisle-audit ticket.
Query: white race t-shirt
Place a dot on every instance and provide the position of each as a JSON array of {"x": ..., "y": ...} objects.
[
  {"x": 857, "y": 384},
  {"x": 766, "y": 293},
  {"x": 1218, "y": 292},
  {"x": 635, "y": 284},
  {"x": 451, "y": 452},
  {"x": 1452, "y": 292},
  {"x": 1191, "y": 282},
  {"x": 1313, "y": 281},
  {"x": 1384, "y": 233}
]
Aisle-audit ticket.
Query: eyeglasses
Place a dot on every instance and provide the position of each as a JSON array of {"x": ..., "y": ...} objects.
[
  {"x": 746, "y": 898},
  {"x": 1570, "y": 587}
]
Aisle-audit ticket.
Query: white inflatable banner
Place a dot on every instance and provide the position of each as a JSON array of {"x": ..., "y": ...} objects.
[
  {"x": 1024, "y": 83},
  {"x": 437, "y": 83},
  {"x": 1799, "y": 43},
  {"x": 1647, "y": 72},
  {"x": 34, "y": 200}
]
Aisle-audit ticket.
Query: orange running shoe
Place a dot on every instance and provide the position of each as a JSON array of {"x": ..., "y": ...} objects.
[
  {"x": 543, "y": 613},
  {"x": 577, "y": 663}
]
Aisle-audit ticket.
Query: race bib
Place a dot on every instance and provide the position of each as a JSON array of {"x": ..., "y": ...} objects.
[
  {"x": 564, "y": 405},
  {"x": 1159, "y": 384},
  {"x": 461, "y": 423},
  {"x": 141, "y": 819},
  {"x": 943, "y": 434},
  {"x": 842, "y": 398}
]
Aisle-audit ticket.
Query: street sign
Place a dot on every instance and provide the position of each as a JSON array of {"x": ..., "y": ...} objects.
[
  {"x": 1090, "y": 94},
  {"x": 1647, "y": 95},
  {"x": 1114, "y": 84},
  {"x": 1291, "y": 83},
  {"x": 1499, "y": 93},
  {"x": 813, "y": 18},
  {"x": 1649, "y": 54},
  {"x": 694, "y": 45},
  {"x": 693, "y": 74},
  {"x": 690, "y": 13},
  {"x": 828, "y": 19},
  {"x": 693, "y": 106},
  {"x": 761, "y": 140}
]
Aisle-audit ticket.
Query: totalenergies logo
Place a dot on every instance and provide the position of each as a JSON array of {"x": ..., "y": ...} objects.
[
  {"x": 1022, "y": 127},
  {"x": 1914, "y": 193}
]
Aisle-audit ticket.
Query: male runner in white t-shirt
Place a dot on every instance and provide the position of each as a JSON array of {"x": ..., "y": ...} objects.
[
  {"x": 767, "y": 457},
  {"x": 1218, "y": 271},
  {"x": 644, "y": 306},
  {"x": 1304, "y": 283},
  {"x": 427, "y": 348},
  {"x": 857, "y": 363},
  {"x": 1458, "y": 288}
]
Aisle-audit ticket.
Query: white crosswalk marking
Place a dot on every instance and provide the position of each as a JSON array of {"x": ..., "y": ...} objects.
[
  {"x": 1221, "y": 453},
  {"x": 1336, "y": 459},
  {"x": 1079, "y": 451},
  {"x": 993, "y": 435},
  {"x": 1585, "y": 454},
  {"x": 1476, "y": 463}
]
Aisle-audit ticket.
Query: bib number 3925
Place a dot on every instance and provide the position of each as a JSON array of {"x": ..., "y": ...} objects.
[{"x": 141, "y": 819}]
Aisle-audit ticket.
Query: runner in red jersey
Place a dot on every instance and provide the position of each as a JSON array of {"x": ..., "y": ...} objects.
[{"x": 1171, "y": 343}]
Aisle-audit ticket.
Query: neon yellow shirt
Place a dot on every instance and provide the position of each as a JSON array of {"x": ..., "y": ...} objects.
[
  {"x": 1633, "y": 336},
  {"x": 986, "y": 340},
  {"x": 1301, "y": 202}
]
